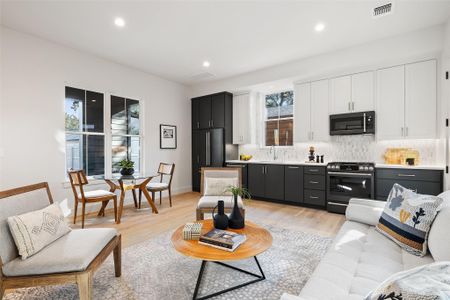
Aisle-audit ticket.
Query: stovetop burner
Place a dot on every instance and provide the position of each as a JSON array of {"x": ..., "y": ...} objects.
[{"x": 351, "y": 167}]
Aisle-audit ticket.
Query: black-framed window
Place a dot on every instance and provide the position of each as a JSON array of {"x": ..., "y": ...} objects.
[
  {"x": 84, "y": 126},
  {"x": 125, "y": 132}
]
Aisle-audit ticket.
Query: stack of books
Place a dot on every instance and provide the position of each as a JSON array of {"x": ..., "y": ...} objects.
[
  {"x": 192, "y": 231},
  {"x": 222, "y": 239}
]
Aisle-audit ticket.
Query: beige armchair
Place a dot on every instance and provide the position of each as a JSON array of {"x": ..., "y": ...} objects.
[
  {"x": 213, "y": 182},
  {"x": 54, "y": 264}
]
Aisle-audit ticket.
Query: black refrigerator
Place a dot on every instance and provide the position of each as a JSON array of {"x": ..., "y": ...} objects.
[{"x": 208, "y": 150}]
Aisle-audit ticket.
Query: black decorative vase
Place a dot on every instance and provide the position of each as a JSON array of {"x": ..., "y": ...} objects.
[
  {"x": 220, "y": 219},
  {"x": 127, "y": 172},
  {"x": 236, "y": 221}
]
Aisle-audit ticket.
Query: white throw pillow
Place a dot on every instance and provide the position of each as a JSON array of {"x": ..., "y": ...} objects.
[
  {"x": 428, "y": 282},
  {"x": 445, "y": 196},
  {"x": 218, "y": 186},
  {"x": 35, "y": 230},
  {"x": 439, "y": 239}
]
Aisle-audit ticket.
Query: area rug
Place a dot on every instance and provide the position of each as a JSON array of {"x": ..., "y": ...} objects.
[{"x": 154, "y": 270}]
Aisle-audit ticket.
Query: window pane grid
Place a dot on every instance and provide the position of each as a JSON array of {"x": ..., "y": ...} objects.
[
  {"x": 85, "y": 137},
  {"x": 125, "y": 132},
  {"x": 279, "y": 109}
]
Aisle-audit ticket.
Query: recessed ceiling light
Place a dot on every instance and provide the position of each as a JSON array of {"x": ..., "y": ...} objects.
[
  {"x": 319, "y": 27},
  {"x": 119, "y": 22},
  {"x": 206, "y": 64}
]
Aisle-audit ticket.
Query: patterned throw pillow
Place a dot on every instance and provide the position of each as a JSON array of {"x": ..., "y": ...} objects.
[
  {"x": 35, "y": 230},
  {"x": 407, "y": 218},
  {"x": 218, "y": 186}
]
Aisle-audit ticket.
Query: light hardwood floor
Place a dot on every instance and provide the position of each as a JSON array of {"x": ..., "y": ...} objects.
[{"x": 138, "y": 225}]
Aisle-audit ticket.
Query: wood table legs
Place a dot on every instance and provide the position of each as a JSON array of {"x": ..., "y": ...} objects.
[{"x": 123, "y": 188}]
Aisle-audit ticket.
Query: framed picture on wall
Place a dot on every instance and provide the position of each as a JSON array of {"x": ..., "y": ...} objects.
[{"x": 167, "y": 136}]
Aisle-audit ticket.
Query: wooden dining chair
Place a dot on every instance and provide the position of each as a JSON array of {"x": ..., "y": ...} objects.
[
  {"x": 164, "y": 170},
  {"x": 77, "y": 181}
]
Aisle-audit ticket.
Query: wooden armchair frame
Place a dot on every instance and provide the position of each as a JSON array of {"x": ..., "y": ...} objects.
[{"x": 83, "y": 278}]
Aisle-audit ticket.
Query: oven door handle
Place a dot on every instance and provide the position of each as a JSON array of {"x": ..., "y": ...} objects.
[{"x": 345, "y": 174}]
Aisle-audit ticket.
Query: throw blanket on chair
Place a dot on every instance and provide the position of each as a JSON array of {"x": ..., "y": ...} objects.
[{"x": 428, "y": 282}]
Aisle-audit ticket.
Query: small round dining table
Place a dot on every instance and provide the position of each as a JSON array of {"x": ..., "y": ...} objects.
[{"x": 128, "y": 183}]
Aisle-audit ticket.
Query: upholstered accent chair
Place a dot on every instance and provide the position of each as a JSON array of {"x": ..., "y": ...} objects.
[
  {"x": 78, "y": 181},
  {"x": 213, "y": 182},
  {"x": 164, "y": 171},
  {"x": 73, "y": 258}
]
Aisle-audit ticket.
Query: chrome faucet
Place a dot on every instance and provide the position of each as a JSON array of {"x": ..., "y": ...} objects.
[{"x": 273, "y": 149}]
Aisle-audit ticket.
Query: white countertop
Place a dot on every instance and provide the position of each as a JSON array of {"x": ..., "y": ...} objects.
[
  {"x": 275, "y": 162},
  {"x": 300, "y": 163},
  {"x": 419, "y": 167}
]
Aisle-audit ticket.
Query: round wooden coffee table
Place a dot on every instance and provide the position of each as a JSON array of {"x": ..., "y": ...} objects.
[{"x": 258, "y": 241}]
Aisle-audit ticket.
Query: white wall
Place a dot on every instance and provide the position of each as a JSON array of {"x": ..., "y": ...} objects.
[
  {"x": 422, "y": 44},
  {"x": 35, "y": 72}
]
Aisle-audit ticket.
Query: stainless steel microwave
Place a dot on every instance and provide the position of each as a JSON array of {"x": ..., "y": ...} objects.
[{"x": 353, "y": 123}]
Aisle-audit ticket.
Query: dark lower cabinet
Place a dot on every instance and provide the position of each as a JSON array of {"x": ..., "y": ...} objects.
[
  {"x": 293, "y": 184},
  {"x": 256, "y": 180},
  {"x": 428, "y": 182},
  {"x": 274, "y": 184},
  {"x": 244, "y": 173},
  {"x": 315, "y": 197},
  {"x": 314, "y": 182},
  {"x": 266, "y": 181}
]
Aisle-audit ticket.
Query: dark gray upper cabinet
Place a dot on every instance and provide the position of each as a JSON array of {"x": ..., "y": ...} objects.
[
  {"x": 195, "y": 104},
  {"x": 205, "y": 112},
  {"x": 293, "y": 184},
  {"x": 218, "y": 110},
  {"x": 274, "y": 184},
  {"x": 256, "y": 180},
  {"x": 428, "y": 182}
]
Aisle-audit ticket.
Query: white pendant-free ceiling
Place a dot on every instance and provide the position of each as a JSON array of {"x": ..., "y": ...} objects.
[{"x": 173, "y": 39}]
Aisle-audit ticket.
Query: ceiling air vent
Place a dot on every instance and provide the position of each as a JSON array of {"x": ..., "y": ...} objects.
[
  {"x": 382, "y": 10},
  {"x": 201, "y": 76}
]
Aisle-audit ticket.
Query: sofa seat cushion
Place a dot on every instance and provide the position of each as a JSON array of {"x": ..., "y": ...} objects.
[
  {"x": 211, "y": 201},
  {"x": 96, "y": 194},
  {"x": 358, "y": 260},
  {"x": 71, "y": 253}
]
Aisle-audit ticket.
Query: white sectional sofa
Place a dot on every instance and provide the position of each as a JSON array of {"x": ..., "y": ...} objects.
[{"x": 359, "y": 258}]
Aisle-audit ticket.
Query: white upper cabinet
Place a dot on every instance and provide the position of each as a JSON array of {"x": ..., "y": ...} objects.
[
  {"x": 320, "y": 120},
  {"x": 352, "y": 93},
  {"x": 420, "y": 100},
  {"x": 302, "y": 112},
  {"x": 242, "y": 116},
  {"x": 363, "y": 94},
  {"x": 390, "y": 115},
  {"x": 311, "y": 111},
  {"x": 406, "y": 101},
  {"x": 341, "y": 94}
]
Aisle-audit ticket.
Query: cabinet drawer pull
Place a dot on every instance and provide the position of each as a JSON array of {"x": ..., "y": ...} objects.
[
  {"x": 313, "y": 182},
  {"x": 406, "y": 175},
  {"x": 339, "y": 204},
  {"x": 293, "y": 167},
  {"x": 313, "y": 170},
  {"x": 313, "y": 197}
]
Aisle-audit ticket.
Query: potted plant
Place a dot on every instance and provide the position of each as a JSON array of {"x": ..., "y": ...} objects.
[
  {"x": 237, "y": 220},
  {"x": 126, "y": 167}
]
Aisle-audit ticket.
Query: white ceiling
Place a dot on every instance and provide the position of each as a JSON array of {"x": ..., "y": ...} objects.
[{"x": 172, "y": 38}]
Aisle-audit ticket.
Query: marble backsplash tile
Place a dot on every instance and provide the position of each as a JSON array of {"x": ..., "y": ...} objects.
[{"x": 359, "y": 148}]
